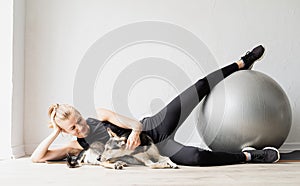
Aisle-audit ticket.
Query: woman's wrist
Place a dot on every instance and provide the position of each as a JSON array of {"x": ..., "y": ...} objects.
[
  {"x": 56, "y": 132},
  {"x": 136, "y": 131},
  {"x": 137, "y": 128}
]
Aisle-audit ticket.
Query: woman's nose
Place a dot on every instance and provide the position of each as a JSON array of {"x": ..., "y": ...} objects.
[{"x": 74, "y": 133}]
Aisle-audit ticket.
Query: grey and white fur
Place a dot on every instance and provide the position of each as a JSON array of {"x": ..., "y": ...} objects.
[{"x": 114, "y": 154}]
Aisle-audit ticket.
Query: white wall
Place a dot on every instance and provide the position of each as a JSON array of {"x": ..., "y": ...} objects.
[
  {"x": 12, "y": 78},
  {"x": 6, "y": 21},
  {"x": 60, "y": 32}
]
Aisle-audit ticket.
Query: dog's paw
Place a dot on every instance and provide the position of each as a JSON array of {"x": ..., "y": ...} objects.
[
  {"x": 173, "y": 165},
  {"x": 119, "y": 165},
  {"x": 72, "y": 162}
]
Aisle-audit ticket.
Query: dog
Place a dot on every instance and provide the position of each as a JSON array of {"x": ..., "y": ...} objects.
[
  {"x": 146, "y": 154},
  {"x": 115, "y": 155}
]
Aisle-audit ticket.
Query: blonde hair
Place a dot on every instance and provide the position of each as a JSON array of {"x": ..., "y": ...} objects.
[{"x": 60, "y": 112}]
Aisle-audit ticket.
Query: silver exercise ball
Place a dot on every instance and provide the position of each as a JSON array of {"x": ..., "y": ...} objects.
[{"x": 248, "y": 108}]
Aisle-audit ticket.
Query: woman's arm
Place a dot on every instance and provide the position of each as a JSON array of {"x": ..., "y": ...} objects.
[
  {"x": 119, "y": 120},
  {"x": 42, "y": 152},
  {"x": 124, "y": 122}
]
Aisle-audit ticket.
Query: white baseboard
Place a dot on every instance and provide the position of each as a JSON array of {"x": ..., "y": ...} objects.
[
  {"x": 288, "y": 147},
  {"x": 18, "y": 151},
  {"x": 29, "y": 148}
]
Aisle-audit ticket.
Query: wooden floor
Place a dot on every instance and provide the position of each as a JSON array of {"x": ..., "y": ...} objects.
[{"x": 23, "y": 172}]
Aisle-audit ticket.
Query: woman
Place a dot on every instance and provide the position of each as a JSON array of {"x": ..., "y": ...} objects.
[{"x": 161, "y": 127}]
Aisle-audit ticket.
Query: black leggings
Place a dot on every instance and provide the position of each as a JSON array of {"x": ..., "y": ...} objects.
[{"x": 163, "y": 125}]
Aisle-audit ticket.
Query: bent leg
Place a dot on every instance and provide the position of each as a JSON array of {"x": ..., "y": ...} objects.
[
  {"x": 165, "y": 122},
  {"x": 194, "y": 156}
]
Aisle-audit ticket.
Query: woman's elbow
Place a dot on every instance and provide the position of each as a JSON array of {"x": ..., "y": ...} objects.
[
  {"x": 33, "y": 160},
  {"x": 36, "y": 160}
]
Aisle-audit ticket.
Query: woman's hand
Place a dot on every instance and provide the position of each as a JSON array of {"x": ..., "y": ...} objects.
[
  {"x": 133, "y": 140},
  {"x": 124, "y": 122},
  {"x": 56, "y": 128},
  {"x": 53, "y": 124}
]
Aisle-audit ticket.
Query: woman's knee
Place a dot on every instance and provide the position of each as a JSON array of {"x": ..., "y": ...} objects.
[{"x": 190, "y": 156}]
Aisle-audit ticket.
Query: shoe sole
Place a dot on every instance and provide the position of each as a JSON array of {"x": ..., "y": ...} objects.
[{"x": 272, "y": 148}]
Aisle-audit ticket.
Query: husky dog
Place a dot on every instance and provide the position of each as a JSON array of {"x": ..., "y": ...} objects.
[
  {"x": 147, "y": 153},
  {"x": 115, "y": 155}
]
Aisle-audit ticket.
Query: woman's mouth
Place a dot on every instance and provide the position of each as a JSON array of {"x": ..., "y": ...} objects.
[{"x": 83, "y": 132}]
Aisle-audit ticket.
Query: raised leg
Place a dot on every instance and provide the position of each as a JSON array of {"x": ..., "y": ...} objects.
[{"x": 165, "y": 122}]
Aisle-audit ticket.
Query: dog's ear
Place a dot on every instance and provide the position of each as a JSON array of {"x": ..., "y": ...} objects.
[{"x": 111, "y": 133}]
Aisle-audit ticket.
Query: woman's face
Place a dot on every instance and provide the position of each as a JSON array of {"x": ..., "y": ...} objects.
[{"x": 75, "y": 126}]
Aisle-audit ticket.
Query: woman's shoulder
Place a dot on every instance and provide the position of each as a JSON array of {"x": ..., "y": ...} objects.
[
  {"x": 95, "y": 122},
  {"x": 97, "y": 133},
  {"x": 90, "y": 120}
]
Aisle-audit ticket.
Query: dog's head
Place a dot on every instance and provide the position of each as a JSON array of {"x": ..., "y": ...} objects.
[{"x": 115, "y": 147}]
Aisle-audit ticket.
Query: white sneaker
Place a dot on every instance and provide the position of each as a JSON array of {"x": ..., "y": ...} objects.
[{"x": 266, "y": 155}]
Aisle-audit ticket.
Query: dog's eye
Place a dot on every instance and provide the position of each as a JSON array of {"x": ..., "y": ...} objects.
[{"x": 107, "y": 147}]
